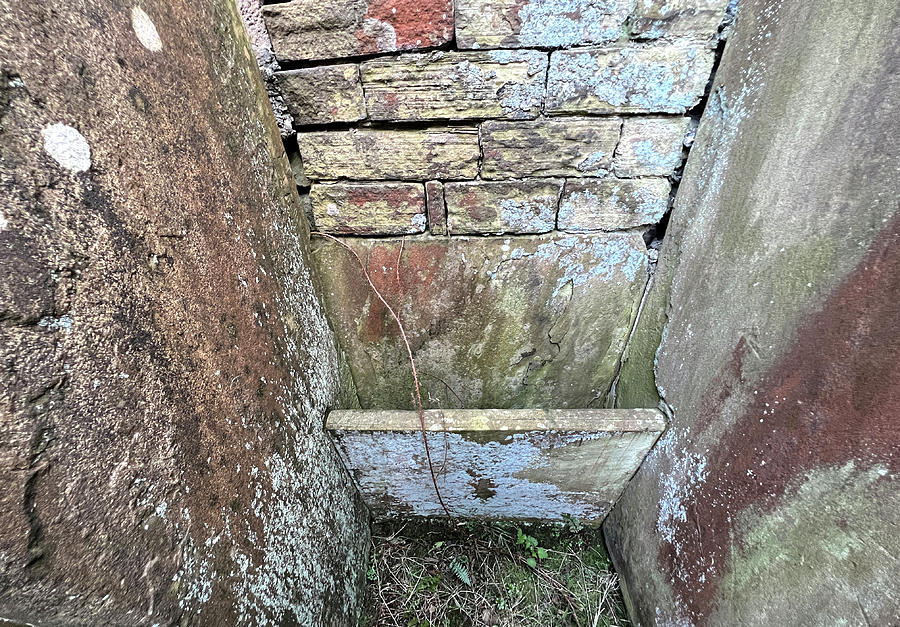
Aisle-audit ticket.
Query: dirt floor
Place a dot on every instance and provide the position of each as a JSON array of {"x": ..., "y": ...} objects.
[{"x": 447, "y": 574}]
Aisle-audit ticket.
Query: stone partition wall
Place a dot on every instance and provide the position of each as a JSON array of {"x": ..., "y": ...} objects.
[
  {"x": 522, "y": 149},
  {"x": 165, "y": 362},
  {"x": 774, "y": 496}
]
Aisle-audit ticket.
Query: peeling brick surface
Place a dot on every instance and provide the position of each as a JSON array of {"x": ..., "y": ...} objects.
[
  {"x": 612, "y": 204},
  {"x": 650, "y": 146},
  {"x": 653, "y": 19},
  {"x": 539, "y": 23},
  {"x": 636, "y": 79}
]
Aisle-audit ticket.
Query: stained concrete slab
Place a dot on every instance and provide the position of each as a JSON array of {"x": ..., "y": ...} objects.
[
  {"x": 520, "y": 464},
  {"x": 165, "y": 363},
  {"x": 530, "y": 321}
]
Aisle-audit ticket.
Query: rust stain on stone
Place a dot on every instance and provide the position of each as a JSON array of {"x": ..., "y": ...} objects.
[
  {"x": 831, "y": 400},
  {"x": 414, "y": 24},
  {"x": 397, "y": 199},
  {"x": 380, "y": 264},
  {"x": 417, "y": 272},
  {"x": 473, "y": 206}
]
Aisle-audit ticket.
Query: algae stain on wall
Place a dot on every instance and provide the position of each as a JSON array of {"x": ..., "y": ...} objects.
[{"x": 818, "y": 540}]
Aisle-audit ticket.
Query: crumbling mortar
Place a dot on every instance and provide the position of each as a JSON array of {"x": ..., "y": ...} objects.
[
  {"x": 261, "y": 44},
  {"x": 546, "y": 92},
  {"x": 363, "y": 86},
  {"x": 480, "y": 153},
  {"x": 559, "y": 197},
  {"x": 470, "y": 123},
  {"x": 615, "y": 152}
]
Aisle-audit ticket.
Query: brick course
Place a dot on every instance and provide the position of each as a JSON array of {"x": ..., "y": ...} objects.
[
  {"x": 327, "y": 29},
  {"x": 528, "y": 126},
  {"x": 374, "y": 154},
  {"x": 650, "y": 146},
  {"x": 667, "y": 18},
  {"x": 456, "y": 85},
  {"x": 321, "y": 95},
  {"x": 666, "y": 78},
  {"x": 497, "y": 207},
  {"x": 612, "y": 204},
  {"x": 549, "y": 147}
]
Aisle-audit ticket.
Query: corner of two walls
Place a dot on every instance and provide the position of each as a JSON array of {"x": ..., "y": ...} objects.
[{"x": 498, "y": 167}]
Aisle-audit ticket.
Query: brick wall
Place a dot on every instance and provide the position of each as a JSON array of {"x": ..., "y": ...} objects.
[
  {"x": 548, "y": 119},
  {"x": 531, "y": 116}
]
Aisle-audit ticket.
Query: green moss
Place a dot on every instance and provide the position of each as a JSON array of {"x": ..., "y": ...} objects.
[
  {"x": 637, "y": 384},
  {"x": 796, "y": 269},
  {"x": 825, "y": 553},
  {"x": 346, "y": 394}
]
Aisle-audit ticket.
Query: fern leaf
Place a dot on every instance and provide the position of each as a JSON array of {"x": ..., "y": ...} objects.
[{"x": 459, "y": 569}]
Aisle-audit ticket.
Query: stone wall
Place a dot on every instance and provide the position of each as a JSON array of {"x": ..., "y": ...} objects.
[
  {"x": 774, "y": 497},
  {"x": 165, "y": 363},
  {"x": 556, "y": 128}
]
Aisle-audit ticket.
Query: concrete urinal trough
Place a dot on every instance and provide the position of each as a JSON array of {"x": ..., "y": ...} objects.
[{"x": 519, "y": 464}]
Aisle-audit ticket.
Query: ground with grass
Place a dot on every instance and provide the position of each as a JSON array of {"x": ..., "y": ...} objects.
[{"x": 446, "y": 574}]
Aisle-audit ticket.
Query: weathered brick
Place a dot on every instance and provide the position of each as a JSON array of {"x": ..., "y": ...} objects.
[
  {"x": 319, "y": 95},
  {"x": 650, "y": 146},
  {"x": 663, "y": 18},
  {"x": 369, "y": 208},
  {"x": 319, "y": 29},
  {"x": 382, "y": 154},
  {"x": 549, "y": 147},
  {"x": 538, "y": 23},
  {"x": 436, "y": 209},
  {"x": 611, "y": 204},
  {"x": 527, "y": 206},
  {"x": 455, "y": 85},
  {"x": 661, "y": 78}
]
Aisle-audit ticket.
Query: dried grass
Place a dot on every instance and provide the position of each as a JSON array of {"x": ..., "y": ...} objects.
[{"x": 413, "y": 578}]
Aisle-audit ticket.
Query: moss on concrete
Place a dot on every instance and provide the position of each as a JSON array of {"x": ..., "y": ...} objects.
[
  {"x": 493, "y": 323},
  {"x": 811, "y": 557}
]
